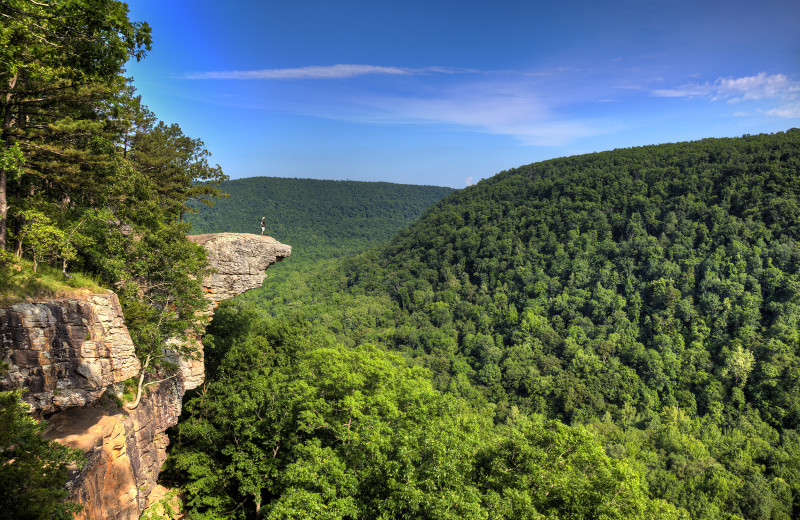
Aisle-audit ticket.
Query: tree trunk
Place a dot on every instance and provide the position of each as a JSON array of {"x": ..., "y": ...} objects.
[{"x": 140, "y": 386}]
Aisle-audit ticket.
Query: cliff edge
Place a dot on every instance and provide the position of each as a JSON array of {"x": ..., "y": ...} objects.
[
  {"x": 68, "y": 352},
  {"x": 239, "y": 261}
]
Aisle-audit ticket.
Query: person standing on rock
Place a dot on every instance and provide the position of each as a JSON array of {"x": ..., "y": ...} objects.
[{"x": 263, "y": 225}]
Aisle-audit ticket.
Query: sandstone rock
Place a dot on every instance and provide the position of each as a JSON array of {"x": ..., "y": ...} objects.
[
  {"x": 66, "y": 352},
  {"x": 240, "y": 261},
  {"x": 106, "y": 486},
  {"x": 125, "y": 450}
]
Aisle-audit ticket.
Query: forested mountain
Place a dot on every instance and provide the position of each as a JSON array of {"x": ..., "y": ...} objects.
[
  {"x": 650, "y": 294},
  {"x": 320, "y": 219},
  {"x": 612, "y": 335}
]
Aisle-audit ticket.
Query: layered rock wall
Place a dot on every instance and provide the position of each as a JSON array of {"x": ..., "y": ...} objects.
[
  {"x": 125, "y": 449},
  {"x": 240, "y": 261},
  {"x": 68, "y": 352}
]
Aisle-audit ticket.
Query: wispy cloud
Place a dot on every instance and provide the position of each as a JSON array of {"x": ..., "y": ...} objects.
[
  {"x": 524, "y": 105},
  {"x": 507, "y": 108},
  {"x": 548, "y": 107},
  {"x": 760, "y": 87},
  {"x": 788, "y": 110},
  {"x": 340, "y": 71}
]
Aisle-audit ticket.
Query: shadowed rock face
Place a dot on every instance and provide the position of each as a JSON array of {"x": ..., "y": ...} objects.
[
  {"x": 125, "y": 449},
  {"x": 67, "y": 352}
]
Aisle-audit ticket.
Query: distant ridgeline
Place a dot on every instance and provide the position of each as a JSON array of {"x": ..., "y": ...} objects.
[
  {"x": 651, "y": 292},
  {"x": 321, "y": 219}
]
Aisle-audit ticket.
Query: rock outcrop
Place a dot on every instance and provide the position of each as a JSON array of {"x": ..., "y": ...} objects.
[
  {"x": 68, "y": 352},
  {"x": 239, "y": 261}
]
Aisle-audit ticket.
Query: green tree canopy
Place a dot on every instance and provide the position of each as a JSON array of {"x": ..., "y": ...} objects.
[
  {"x": 292, "y": 425},
  {"x": 33, "y": 472},
  {"x": 58, "y": 61}
]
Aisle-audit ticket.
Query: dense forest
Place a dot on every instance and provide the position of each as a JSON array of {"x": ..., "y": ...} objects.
[
  {"x": 92, "y": 190},
  {"x": 641, "y": 302},
  {"x": 612, "y": 335},
  {"x": 321, "y": 219}
]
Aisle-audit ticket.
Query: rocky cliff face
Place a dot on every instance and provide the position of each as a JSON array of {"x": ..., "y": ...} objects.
[
  {"x": 66, "y": 352},
  {"x": 69, "y": 352},
  {"x": 125, "y": 449},
  {"x": 240, "y": 261}
]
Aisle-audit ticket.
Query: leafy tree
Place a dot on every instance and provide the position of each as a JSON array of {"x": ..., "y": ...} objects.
[
  {"x": 33, "y": 472},
  {"x": 58, "y": 60},
  {"x": 44, "y": 240},
  {"x": 548, "y": 470},
  {"x": 178, "y": 166},
  {"x": 292, "y": 425}
]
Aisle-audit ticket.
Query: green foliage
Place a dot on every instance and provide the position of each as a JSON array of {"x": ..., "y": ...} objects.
[
  {"x": 42, "y": 239},
  {"x": 20, "y": 283},
  {"x": 553, "y": 468},
  {"x": 33, "y": 472},
  {"x": 177, "y": 165},
  {"x": 293, "y": 425},
  {"x": 11, "y": 159},
  {"x": 60, "y": 65},
  {"x": 166, "y": 508},
  {"x": 320, "y": 219},
  {"x": 609, "y": 290}
]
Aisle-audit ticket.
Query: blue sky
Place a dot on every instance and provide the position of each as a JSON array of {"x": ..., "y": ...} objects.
[{"x": 449, "y": 92}]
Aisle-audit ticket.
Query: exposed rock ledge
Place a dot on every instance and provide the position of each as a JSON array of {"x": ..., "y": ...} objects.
[
  {"x": 240, "y": 261},
  {"x": 67, "y": 352}
]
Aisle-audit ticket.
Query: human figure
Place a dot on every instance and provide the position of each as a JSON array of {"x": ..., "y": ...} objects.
[{"x": 263, "y": 225}]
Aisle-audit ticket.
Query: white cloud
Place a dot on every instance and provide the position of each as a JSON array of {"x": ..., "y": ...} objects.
[
  {"x": 468, "y": 181},
  {"x": 788, "y": 110},
  {"x": 768, "y": 90},
  {"x": 758, "y": 87},
  {"x": 340, "y": 71},
  {"x": 526, "y": 106},
  {"x": 498, "y": 108}
]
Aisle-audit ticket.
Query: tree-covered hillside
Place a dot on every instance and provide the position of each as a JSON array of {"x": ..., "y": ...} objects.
[
  {"x": 652, "y": 294},
  {"x": 320, "y": 219},
  {"x": 292, "y": 424}
]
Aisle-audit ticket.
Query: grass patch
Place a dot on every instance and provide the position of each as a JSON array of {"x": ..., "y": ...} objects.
[
  {"x": 18, "y": 282},
  {"x": 131, "y": 387},
  {"x": 124, "y": 394}
]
